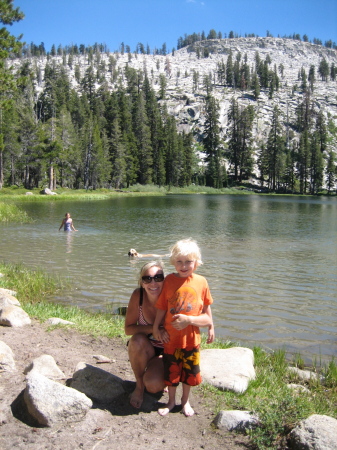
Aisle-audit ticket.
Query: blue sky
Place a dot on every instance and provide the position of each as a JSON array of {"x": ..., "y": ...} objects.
[{"x": 154, "y": 22}]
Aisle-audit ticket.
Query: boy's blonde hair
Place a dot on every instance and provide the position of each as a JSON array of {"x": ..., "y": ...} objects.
[
  {"x": 148, "y": 266},
  {"x": 186, "y": 247}
]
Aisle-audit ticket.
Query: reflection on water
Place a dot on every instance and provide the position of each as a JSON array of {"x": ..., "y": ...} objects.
[
  {"x": 69, "y": 241},
  {"x": 270, "y": 261}
]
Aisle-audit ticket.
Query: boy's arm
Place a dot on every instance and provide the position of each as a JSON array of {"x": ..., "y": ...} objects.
[
  {"x": 181, "y": 321},
  {"x": 210, "y": 335}
]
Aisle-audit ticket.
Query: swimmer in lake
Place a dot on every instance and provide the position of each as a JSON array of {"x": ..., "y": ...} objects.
[{"x": 67, "y": 223}]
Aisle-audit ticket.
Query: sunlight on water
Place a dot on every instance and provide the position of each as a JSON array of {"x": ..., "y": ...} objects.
[{"x": 270, "y": 261}]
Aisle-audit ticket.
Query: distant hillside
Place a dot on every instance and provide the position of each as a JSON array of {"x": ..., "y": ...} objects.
[
  {"x": 291, "y": 75},
  {"x": 179, "y": 68}
]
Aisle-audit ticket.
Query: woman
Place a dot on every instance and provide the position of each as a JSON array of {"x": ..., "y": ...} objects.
[
  {"x": 67, "y": 223},
  {"x": 144, "y": 352}
]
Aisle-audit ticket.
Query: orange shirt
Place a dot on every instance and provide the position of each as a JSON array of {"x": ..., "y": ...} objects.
[{"x": 183, "y": 296}]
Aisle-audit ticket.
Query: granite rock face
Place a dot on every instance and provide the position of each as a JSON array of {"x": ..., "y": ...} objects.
[{"x": 185, "y": 97}]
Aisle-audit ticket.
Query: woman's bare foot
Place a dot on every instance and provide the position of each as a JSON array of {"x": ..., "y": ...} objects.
[
  {"x": 136, "y": 398},
  {"x": 167, "y": 408},
  {"x": 188, "y": 410}
]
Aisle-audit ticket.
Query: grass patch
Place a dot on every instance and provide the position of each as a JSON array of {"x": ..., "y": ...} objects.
[
  {"x": 11, "y": 213},
  {"x": 278, "y": 407},
  {"x": 194, "y": 189},
  {"x": 35, "y": 287},
  {"x": 94, "y": 324},
  {"x": 32, "y": 286}
]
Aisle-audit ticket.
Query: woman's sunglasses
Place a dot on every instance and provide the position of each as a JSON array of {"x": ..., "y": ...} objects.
[{"x": 159, "y": 277}]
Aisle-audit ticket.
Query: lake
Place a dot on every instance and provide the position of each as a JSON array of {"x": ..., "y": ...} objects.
[{"x": 270, "y": 260}]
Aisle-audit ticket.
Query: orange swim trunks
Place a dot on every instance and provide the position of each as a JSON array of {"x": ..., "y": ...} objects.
[{"x": 183, "y": 365}]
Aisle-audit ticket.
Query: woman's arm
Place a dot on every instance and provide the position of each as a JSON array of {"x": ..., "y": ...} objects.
[
  {"x": 62, "y": 224},
  {"x": 131, "y": 326},
  {"x": 72, "y": 226}
]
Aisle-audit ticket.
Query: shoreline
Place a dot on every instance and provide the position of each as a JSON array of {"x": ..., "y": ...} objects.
[{"x": 267, "y": 395}]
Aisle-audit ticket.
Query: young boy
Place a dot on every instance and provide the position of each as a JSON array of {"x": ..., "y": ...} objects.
[{"x": 185, "y": 302}]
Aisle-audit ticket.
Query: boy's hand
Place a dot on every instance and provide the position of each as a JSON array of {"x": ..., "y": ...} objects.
[
  {"x": 161, "y": 335},
  {"x": 210, "y": 335}
]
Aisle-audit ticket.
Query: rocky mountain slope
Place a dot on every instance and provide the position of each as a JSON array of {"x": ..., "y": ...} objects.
[{"x": 185, "y": 98}]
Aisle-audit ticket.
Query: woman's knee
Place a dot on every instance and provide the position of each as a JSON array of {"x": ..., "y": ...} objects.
[
  {"x": 138, "y": 340},
  {"x": 154, "y": 376},
  {"x": 140, "y": 344}
]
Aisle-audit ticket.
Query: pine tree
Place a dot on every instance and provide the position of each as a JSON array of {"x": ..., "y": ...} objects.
[
  {"x": 118, "y": 156},
  {"x": 323, "y": 69},
  {"x": 316, "y": 165},
  {"x": 330, "y": 172},
  {"x": 246, "y": 124},
  {"x": 303, "y": 162},
  {"x": 69, "y": 157},
  {"x": 11, "y": 144},
  {"x": 311, "y": 77},
  {"x": 229, "y": 69},
  {"x": 174, "y": 158},
  {"x": 289, "y": 176},
  {"x": 8, "y": 44},
  {"x": 143, "y": 140},
  {"x": 212, "y": 144},
  {"x": 234, "y": 137},
  {"x": 275, "y": 150},
  {"x": 157, "y": 133},
  {"x": 255, "y": 86},
  {"x": 128, "y": 136}
]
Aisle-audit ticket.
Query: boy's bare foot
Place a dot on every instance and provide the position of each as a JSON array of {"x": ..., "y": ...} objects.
[
  {"x": 167, "y": 408},
  {"x": 188, "y": 410},
  {"x": 136, "y": 398}
]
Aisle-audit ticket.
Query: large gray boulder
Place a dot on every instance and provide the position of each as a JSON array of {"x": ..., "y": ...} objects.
[
  {"x": 4, "y": 291},
  {"x": 315, "y": 433},
  {"x": 45, "y": 365},
  {"x": 7, "y": 362},
  {"x": 47, "y": 191},
  {"x": 14, "y": 316},
  {"x": 58, "y": 321},
  {"x": 49, "y": 402},
  {"x": 8, "y": 300},
  {"x": 235, "y": 420},
  {"x": 96, "y": 383},
  {"x": 228, "y": 369}
]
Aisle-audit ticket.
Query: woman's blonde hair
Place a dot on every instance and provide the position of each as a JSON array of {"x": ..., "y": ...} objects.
[
  {"x": 148, "y": 266},
  {"x": 186, "y": 247}
]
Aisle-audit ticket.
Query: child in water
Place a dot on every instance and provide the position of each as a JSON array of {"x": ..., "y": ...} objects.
[
  {"x": 67, "y": 223},
  {"x": 185, "y": 303}
]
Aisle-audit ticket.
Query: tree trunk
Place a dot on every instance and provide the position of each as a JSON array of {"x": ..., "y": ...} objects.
[
  {"x": 1, "y": 161},
  {"x": 1, "y": 171},
  {"x": 51, "y": 177}
]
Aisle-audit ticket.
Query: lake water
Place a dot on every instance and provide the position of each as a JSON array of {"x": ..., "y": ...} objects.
[{"x": 271, "y": 262}]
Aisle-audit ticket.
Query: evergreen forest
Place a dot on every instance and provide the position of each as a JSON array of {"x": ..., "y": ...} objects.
[{"x": 85, "y": 121}]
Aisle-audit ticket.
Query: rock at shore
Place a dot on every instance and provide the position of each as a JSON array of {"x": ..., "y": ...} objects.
[
  {"x": 228, "y": 369},
  {"x": 50, "y": 402}
]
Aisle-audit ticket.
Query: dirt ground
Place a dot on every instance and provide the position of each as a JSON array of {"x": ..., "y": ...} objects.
[{"x": 110, "y": 426}]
